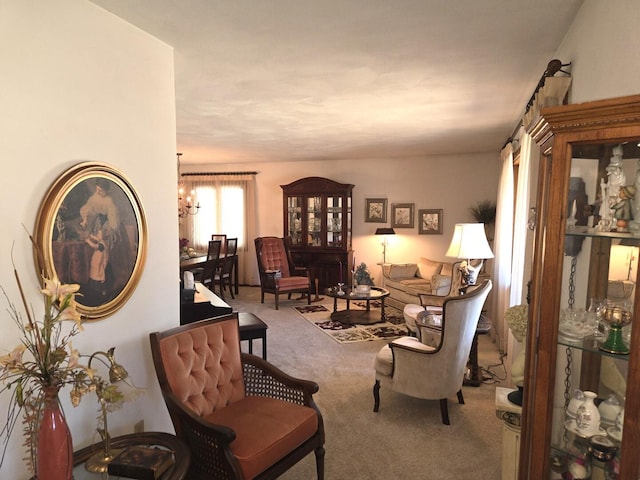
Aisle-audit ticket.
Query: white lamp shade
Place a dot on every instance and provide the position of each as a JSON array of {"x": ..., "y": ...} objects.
[{"x": 469, "y": 242}]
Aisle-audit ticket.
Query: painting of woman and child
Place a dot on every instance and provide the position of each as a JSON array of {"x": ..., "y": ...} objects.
[{"x": 95, "y": 239}]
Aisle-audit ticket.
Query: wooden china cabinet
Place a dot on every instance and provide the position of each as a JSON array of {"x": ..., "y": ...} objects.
[
  {"x": 317, "y": 217},
  {"x": 587, "y": 151}
]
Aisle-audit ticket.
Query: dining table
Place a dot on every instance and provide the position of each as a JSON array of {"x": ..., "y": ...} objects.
[{"x": 200, "y": 259}]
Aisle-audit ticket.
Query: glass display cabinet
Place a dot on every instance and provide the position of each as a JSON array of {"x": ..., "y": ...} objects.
[
  {"x": 317, "y": 217},
  {"x": 582, "y": 385}
]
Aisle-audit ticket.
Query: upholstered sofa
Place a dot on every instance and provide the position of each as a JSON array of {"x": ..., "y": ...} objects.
[{"x": 407, "y": 281}]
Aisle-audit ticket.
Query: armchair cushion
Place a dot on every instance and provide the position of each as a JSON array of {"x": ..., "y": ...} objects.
[
  {"x": 267, "y": 429},
  {"x": 383, "y": 363},
  {"x": 288, "y": 283}
]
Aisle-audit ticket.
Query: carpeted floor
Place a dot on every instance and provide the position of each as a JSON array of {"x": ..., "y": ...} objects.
[{"x": 406, "y": 438}]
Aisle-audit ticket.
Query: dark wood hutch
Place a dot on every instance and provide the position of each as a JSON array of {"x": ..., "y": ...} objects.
[{"x": 317, "y": 218}]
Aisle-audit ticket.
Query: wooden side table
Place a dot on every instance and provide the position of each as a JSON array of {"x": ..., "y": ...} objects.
[
  {"x": 181, "y": 453},
  {"x": 251, "y": 327}
]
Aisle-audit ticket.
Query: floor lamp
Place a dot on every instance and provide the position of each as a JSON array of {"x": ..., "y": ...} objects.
[
  {"x": 469, "y": 242},
  {"x": 385, "y": 232}
]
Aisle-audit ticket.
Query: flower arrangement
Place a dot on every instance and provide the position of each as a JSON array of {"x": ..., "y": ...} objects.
[
  {"x": 44, "y": 360},
  {"x": 184, "y": 244},
  {"x": 518, "y": 320}
]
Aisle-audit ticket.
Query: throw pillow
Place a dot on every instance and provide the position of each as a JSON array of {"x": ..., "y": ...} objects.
[
  {"x": 428, "y": 268},
  {"x": 406, "y": 270},
  {"x": 447, "y": 269}
]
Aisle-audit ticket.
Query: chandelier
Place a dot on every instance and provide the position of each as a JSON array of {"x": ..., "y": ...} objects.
[{"x": 188, "y": 205}]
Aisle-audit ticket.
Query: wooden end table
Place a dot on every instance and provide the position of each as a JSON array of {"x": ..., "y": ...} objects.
[
  {"x": 366, "y": 316},
  {"x": 181, "y": 453},
  {"x": 251, "y": 327}
]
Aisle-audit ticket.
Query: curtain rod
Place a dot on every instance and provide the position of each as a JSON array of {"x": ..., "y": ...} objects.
[
  {"x": 553, "y": 67},
  {"x": 204, "y": 174}
]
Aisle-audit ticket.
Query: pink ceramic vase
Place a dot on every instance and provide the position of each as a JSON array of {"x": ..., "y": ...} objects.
[{"x": 55, "y": 448}]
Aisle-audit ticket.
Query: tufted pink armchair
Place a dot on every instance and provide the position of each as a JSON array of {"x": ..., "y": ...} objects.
[
  {"x": 408, "y": 366},
  {"x": 278, "y": 274},
  {"x": 241, "y": 417}
]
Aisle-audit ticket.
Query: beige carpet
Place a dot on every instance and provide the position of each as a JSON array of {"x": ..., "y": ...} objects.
[{"x": 405, "y": 439}]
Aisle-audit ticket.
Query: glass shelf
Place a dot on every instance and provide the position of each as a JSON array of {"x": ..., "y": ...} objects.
[{"x": 591, "y": 344}]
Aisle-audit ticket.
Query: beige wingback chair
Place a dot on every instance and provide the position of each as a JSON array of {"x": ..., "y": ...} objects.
[{"x": 433, "y": 372}]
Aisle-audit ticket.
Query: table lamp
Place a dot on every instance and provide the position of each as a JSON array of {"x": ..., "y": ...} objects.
[
  {"x": 111, "y": 395},
  {"x": 469, "y": 242},
  {"x": 384, "y": 231}
]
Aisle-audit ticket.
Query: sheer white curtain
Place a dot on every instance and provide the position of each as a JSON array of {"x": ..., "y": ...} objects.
[
  {"x": 227, "y": 206},
  {"x": 527, "y": 149},
  {"x": 503, "y": 246}
]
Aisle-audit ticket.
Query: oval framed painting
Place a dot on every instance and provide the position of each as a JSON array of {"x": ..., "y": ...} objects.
[{"x": 91, "y": 230}]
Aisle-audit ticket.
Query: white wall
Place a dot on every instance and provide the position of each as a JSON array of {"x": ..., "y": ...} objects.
[
  {"x": 603, "y": 46},
  {"x": 78, "y": 84},
  {"x": 453, "y": 182}
]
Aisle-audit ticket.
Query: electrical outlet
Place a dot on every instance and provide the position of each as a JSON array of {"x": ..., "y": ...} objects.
[{"x": 138, "y": 427}]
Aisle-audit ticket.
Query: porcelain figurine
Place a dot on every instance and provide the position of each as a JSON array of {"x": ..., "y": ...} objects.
[
  {"x": 609, "y": 410},
  {"x": 574, "y": 403},
  {"x": 588, "y": 416}
]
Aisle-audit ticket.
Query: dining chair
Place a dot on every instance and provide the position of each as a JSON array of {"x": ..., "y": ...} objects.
[
  {"x": 224, "y": 273},
  {"x": 223, "y": 238},
  {"x": 207, "y": 275}
]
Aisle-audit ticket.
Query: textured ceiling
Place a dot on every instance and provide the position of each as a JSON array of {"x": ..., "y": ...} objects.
[{"x": 290, "y": 80}]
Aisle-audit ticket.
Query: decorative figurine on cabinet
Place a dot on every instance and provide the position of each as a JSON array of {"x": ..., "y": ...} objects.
[{"x": 623, "y": 208}]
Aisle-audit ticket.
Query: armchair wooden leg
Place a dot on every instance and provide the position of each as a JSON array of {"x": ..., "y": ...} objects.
[
  {"x": 320, "y": 462},
  {"x": 460, "y": 397},
  {"x": 317, "y": 298},
  {"x": 277, "y": 302},
  {"x": 376, "y": 396},
  {"x": 444, "y": 411}
]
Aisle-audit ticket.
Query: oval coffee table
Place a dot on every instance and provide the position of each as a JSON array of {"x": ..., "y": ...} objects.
[{"x": 365, "y": 316}]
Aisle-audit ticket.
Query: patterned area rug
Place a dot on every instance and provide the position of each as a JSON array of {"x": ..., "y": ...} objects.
[{"x": 320, "y": 316}]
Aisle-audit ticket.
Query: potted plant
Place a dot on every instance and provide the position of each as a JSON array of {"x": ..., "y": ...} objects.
[
  {"x": 37, "y": 369},
  {"x": 362, "y": 278},
  {"x": 484, "y": 212}
]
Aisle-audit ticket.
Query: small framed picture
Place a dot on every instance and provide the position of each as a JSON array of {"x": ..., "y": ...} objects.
[
  {"x": 402, "y": 214},
  {"x": 430, "y": 221},
  {"x": 375, "y": 210}
]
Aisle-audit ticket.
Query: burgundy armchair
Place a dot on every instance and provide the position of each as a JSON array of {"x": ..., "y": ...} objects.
[{"x": 278, "y": 274}]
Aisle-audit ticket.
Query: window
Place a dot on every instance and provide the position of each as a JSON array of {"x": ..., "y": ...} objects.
[{"x": 226, "y": 205}]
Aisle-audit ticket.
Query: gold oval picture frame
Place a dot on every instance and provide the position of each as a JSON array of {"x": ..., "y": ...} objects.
[{"x": 91, "y": 230}]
